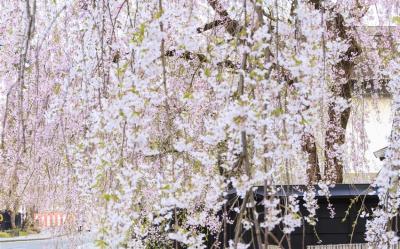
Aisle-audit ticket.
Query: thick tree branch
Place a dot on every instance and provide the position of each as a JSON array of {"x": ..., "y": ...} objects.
[
  {"x": 187, "y": 55},
  {"x": 231, "y": 26},
  {"x": 210, "y": 25}
]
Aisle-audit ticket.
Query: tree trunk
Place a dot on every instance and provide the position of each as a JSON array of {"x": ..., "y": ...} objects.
[
  {"x": 334, "y": 141},
  {"x": 337, "y": 120},
  {"x": 28, "y": 222},
  {"x": 12, "y": 218},
  {"x": 309, "y": 146}
]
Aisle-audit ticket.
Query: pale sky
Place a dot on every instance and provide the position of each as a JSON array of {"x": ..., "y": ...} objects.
[{"x": 377, "y": 121}]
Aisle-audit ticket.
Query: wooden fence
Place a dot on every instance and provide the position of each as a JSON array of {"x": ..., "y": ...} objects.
[
  {"x": 52, "y": 219},
  {"x": 341, "y": 246},
  {"x": 351, "y": 246}
]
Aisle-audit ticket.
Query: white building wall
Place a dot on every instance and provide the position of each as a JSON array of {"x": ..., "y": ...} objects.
[{"x": 368, "y": 130}]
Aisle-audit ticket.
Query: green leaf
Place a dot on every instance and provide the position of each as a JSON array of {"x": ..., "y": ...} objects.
[
  {"x": 181, "y": 70},
  {"x": 207, "y": 72},
  {"x": 101, "y": 244},
  {"x": 239, "y": 120},
  {"x": 396, "y": 20},
  {"x": 277, "y": 112},
  {"x": 297, "y": 216},
  {"x": 121, "y": 113},
  {"x": 219, "y": 77},
  {"x": 219, "y": 40},
  {"x": 109, "y": 197},
  {"x": 121, "y": 70},
  {"x": 188, "y": 95},
  {"x": 159, "y": 14},
  {"x": 166, "y": 187},
  {"x": 242, "y": 32},
  {"x": 253, "y": 75},
  {"x": 209, "y": 48},
  {"x": 197, "y": 165},
  {"x": 304, "y": 122},
  {"x": 133, "y": 90},
  {"x": 297, "y": 61},
  {"x": 57, "y": 88},
  {"x": 138, "y": 36}
]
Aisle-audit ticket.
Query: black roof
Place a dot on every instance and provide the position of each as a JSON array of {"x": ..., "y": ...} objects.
[
  {"x": 381, "y": 153},
  {"x": 339, "y": 190}
]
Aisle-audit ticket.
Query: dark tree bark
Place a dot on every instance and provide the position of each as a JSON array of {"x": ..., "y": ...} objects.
[
  {"x": 29, "y": 222},
  {"x": 12, "y": 218},
  {"x": 232, "y": 26},
  {"x": 335, "y": 136},
  {"x": 309, "y": 146}
]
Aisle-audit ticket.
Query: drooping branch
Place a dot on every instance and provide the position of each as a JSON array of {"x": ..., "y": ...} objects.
[
  {"x": 30, "y": 14},
  {"x": 5, "y": 117}
]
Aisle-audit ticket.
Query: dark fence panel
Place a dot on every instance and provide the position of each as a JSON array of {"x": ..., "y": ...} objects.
[
  {"x": 346, "y": 227},
  {"x": 6, "y": 223}
]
